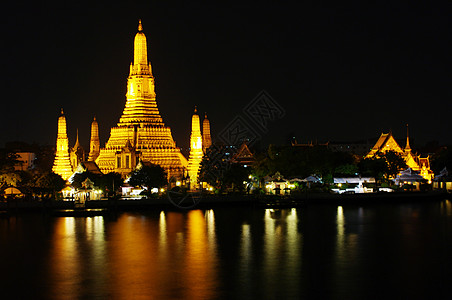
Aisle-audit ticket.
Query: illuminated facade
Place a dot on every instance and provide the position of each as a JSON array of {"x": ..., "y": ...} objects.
[
  {"x": 206, "y": 139},
  {"x": 94, "y": 144},
  {"x": 141, "y": 133},
  {"x": 386, "y": 142},
  {"x": 62, "y": 163},
  {"x": 196, "y": 151}
]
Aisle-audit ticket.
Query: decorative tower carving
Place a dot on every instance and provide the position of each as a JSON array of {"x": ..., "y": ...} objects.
[
  {"x": 206, "y": 139},
  {"x": 77, "y": 154},
  {"x": 94, "y": 144},
  {"x": 141, "y": 124},
  {"x": 62, "y": 163},
  {"x": 194, "y": 160}
]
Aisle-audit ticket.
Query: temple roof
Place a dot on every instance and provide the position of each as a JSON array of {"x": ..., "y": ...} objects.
[
  {"x": 90, "y": 166},
  {"x": 243, "y": 155},
  {"x": 386, "y": 142}
]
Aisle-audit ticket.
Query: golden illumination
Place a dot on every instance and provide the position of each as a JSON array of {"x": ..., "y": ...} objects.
[
  {"x": 196, "y": 151},
  {"x": 386, "y": 142},
  {"x": 141, "y": 133},
  {"x": 206, "y": 139},
  {"x": 62, "y": 163},
  {"x": 94, "y": 145}
]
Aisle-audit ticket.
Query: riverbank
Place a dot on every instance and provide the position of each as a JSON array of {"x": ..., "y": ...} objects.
[{"x": 208, "y": 201}]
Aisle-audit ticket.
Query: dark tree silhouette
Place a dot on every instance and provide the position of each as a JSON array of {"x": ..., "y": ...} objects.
[{"x": 148, "y": 176}]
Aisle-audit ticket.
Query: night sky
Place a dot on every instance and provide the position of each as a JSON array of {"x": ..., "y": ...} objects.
[{"x": 341, "y": 73}]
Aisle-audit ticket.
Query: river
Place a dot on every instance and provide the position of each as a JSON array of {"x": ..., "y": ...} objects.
[{"x": 374, "y": 251}]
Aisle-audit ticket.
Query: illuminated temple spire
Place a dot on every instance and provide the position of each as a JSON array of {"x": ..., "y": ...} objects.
[
  {"x": 141, "y": 105},
  {"x": 62, "y": 163},
  {"x": 407, "y": 146},
  {"x": 140, "y": 133},
  {"x": 206, "y": 139},
  {"x": 194, "y": 160},
  {"x": 94, "y": 144}
]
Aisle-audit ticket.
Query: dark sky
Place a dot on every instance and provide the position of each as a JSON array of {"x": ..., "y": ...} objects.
[{"x": 341, "y": 73}]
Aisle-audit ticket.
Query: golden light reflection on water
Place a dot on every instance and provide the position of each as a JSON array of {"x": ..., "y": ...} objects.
[
  {"x": 340, "y": 221},
  {"x": 65, "y": 267},
  {"x": 446, "y": 208},
  {"x": 170, "y": 260},
  {"x": 200, "y": 261},
  {"x": 133, "y": 256},
  {"x": 282, "y": 250},
  {"x": 77, "y": 240}
]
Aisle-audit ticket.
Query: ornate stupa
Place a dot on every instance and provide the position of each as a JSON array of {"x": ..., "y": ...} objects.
[
  {"x": 206, "y": 139},
  {"x": 62, "y": 163},
  {"x": 141, "y": 133},
  {"x": 194, "y": 160},
  {"x": 94, "y": 144}
]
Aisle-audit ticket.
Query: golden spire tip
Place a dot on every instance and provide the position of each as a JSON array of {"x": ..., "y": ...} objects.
[{"x": 140, "y": 27}]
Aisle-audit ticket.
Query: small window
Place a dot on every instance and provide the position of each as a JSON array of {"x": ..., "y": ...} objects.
[{"x": 118, "y": 162}]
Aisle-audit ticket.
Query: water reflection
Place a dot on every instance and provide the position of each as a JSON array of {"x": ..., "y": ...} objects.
[
  {"x": 446, "y": 208},
  {"x": 200, "y": 261},
  {"x": 315, "y": 252},
  {"x": 78, "y": 256},
  {"x": 282, "y": 252},
  {"x": 171, "y": 259}
]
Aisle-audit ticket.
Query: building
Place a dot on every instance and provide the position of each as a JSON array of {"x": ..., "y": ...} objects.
[
  {"x": 243, "y": 156},
  {"x": 196, "y": 151},
  {"x": 25, "y": 161},
  {"x": 62, "y": 163},
  {"x": 206, "y": 138},
  {"x": 141, "y": 132},
  {"x": 94, "y": 144},
  {"x": 387, "y": 142}
]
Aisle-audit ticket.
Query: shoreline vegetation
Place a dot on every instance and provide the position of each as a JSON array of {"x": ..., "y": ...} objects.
[{"x": 96, "y": 207}]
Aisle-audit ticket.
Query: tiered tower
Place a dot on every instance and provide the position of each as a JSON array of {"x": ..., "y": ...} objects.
[
  {"x": 194, "y": 160},
  {"x": 62, "y": 163},
  {"x": 206, "y": 139},
  {"x": 141, "y": 133},
  {"x": 94, "y": 144}
]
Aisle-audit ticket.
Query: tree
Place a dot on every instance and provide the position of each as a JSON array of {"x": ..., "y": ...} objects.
[
  {"x": 214, "y": 164},
  {"x": 373, "y": 166},
  {"x": 50, "y": 183},
  {"x": 148, "y": 176},
  {"x": 81, "y": 177},
  {"x": 7, "y": 161},
  {"x": 235, "y": 175},
  {"x": 441, "y": 159},
  {"x": 219, "y": 171},
  {"x": 395, "y": 163},
  {"x": 301, "y": 161},
  {"x": 110, "y": 182},
  {"x": 346, "y": 170}
]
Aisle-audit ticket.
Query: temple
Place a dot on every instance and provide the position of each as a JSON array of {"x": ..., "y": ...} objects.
[
  {"x": 206, "y": 139},
  {"x": 141, "y": 133},
  {"x": 62, "y": 162},
  {"x": 386, "y": 142},
  {"x": 196, "y": 151}
]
